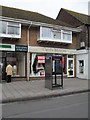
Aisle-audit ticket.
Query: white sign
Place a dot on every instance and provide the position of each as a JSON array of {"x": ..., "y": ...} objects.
[{"x": 34, "y": 49}]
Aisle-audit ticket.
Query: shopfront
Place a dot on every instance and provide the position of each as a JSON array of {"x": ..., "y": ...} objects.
[
  {"x": 82, "y": 64},
  {"x": 17, "y": 58},
  {"x": 37, "y": 60}
]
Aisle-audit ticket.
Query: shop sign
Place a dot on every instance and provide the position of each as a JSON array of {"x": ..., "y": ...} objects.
[
  {"x": 41, "y": 59},
  {"x": 51, "y": 50},
  {"x": 7, "y": 47},
  {"x": 22, "y": 48}
]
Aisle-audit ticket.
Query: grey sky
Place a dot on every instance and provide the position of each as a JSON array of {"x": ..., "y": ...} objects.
[{"x": 48, "y": 7}]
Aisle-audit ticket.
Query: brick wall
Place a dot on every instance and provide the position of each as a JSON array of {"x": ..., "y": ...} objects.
[
  {"x": 22, "y": 40},
  {"x": 33, "y": 41}
]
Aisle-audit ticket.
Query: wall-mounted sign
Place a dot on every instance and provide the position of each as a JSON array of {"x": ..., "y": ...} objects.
[
  {"x": 7, "y": 47},
  {"x": 36, "y": 49},
  {"x": 41, "y": 59},
  {"x": 22, "y": 48}
]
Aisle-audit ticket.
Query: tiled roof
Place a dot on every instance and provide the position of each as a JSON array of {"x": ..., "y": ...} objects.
[
  {"x": 29, "y": 15},
  {"x": 81, "y": 17}
]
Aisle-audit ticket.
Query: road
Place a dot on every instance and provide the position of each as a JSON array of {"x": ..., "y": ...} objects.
[{"x": 72, "y": 106}]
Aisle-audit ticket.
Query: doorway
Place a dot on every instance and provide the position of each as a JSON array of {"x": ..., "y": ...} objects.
[{"x": 70, "y": 66}]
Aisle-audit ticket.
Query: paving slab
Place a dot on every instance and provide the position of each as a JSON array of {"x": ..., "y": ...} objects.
[{"x": 31, "y": 90}]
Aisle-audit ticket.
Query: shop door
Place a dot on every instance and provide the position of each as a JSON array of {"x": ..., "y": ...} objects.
[
  {"x": 70, "y": 67},
  {"x": 4, "y": 68}
]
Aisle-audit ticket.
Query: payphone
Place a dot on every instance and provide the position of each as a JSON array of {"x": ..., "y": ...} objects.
[{"x": 53, "y": 71}]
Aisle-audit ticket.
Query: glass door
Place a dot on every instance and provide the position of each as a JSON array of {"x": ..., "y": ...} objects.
[{"x": 70, "y": 67}]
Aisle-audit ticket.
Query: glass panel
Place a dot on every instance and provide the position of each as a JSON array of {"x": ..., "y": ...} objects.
[
  {"x": 70, "y": 56},
  {"x": 3, "y": 26},
  {"x": 13, "y": 24},
  {"x": 81, "y": 66},
  {"x": 46, "y": 32},
  {"x": 38, "y": 65},
  {"x": 66, "y": 36},
  {"x": 17, "y": 60},
  {"x": 0, "y": 26},
  {"x": 70, "y": 67},
  {"x": 56, "y": 35},
  {"x": 70, "y": 64},
  {"x": 13, "y": 30}
]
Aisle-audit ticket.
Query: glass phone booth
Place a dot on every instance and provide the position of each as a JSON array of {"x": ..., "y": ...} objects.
[{"x": 53, "y": 71}]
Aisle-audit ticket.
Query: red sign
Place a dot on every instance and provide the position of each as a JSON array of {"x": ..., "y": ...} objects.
[{"x": 41, "y": 59}]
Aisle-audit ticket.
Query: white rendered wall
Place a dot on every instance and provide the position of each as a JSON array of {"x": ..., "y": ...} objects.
[{"x": 85, "y": 58}]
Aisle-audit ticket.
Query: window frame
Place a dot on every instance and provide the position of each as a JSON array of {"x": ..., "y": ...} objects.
[
  {"x": 52, "y": 39},
  {"x": 11, "y": 35}
]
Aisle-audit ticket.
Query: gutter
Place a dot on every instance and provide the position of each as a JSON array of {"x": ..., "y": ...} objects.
[{"x": 27, "y": 22}]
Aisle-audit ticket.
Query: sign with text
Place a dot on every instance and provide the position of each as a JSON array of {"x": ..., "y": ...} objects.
[
  {"x": 22, "y": 48},
  {"x": 41, "y": 59}
]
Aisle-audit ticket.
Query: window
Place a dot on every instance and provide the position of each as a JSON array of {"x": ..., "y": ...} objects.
[
  {"x": 56, "y": 34},
  {"x": 46, "y": 32},
  {"x": 10, "y": 29},
  {"x": 81, "y": 66},
  {"x": 3, "y": 27},
  {"x": 13, "y": 28},
  {"x": 67, "y": 35},
  {"x": 37, "y": 65},
  {"x": 17, "y": 60}
]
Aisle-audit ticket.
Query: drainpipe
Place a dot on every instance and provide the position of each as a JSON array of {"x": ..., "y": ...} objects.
[
  {"x": 88, "y": 25},
  {"x": 28, "y": 54}
]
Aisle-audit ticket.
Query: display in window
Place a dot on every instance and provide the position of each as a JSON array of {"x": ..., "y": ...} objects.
[
  {"x": 38, "y": 65},
  {"x": 81, "y": 66}
]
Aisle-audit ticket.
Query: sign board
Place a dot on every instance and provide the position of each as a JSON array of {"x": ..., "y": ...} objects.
[
  {"x": 22, "y": 48},
  {"x": 7, "y": 47},
  {"x": 41, "y": 59},
  {"x": 35, "y": 49}
]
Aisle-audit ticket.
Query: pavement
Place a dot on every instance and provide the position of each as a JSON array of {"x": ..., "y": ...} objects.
[{"x": 32, "y": 90}]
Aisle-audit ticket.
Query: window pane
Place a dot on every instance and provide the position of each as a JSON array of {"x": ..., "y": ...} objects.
[
  {"x": 4, "y": 25},
  {"x": 81, "y": 66},
  {"x": 56, "y": 35},
  {"x": 46, "y": 32},
  {"x": 66, "y": 36},
  {"x": 13, "y": 30},
  {"x": 17, "y": 60},
  {"x": 13, "y": 24}
]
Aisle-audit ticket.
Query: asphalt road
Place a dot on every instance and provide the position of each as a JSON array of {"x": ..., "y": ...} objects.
[{"x": 72, "y": 106}]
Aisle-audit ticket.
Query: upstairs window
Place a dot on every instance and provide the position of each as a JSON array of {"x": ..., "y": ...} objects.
[
  {"x": 54, "y": 35},
  {"x": 66, "y": 35},
  {"x": 10, "y": 29},
  {"x": 13, "y": 28},
  {"x": 46, "y": 32}
]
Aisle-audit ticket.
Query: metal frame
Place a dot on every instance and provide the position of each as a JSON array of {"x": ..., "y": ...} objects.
[{"x": 50, "y": 75}]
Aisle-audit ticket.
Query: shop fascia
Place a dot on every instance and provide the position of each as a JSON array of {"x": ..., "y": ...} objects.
[
  {"x": 34, "y": 49},
  {"x": 12, "y": 47},
  {"x": 7, "y": 47}
]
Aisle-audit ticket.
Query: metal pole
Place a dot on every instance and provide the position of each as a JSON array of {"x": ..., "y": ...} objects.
[{"x": 28, "y": 54}]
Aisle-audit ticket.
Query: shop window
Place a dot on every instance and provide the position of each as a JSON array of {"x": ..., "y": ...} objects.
[
  {"x": 17, "y": 60},
  {"x": 37, "y": 65},
  {"x": 81, "y": 66}
]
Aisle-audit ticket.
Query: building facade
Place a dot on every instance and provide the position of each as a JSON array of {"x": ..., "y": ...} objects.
[
  {"x": 26, "y": 37},
  {"x": 82, "y": 21}
]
